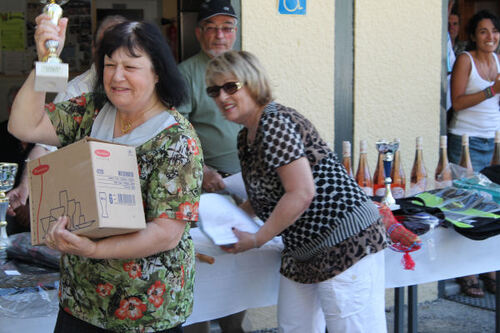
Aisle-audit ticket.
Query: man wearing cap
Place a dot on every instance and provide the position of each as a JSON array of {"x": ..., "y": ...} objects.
[{"x": 216, "y": 33}]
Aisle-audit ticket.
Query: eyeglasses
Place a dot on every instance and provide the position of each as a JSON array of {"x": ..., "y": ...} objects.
[
  {"x": 213, "y": 29},
  {"x": 229, "y": 87}
]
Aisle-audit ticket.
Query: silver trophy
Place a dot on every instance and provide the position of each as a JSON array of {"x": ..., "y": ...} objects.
[
  {"x": 7, "y": 179},
  {"x": 388, "y": 149},
  {"x": 51, "y": 74}
]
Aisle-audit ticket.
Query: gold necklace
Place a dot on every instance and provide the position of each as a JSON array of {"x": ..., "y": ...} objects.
[{"x": 126, "y": 125}]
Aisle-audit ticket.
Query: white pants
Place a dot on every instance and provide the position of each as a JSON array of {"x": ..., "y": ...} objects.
[{"x": 353, "y": 301}]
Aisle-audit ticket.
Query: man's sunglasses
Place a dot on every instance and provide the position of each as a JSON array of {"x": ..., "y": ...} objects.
[{"x": 229, "y": 87}]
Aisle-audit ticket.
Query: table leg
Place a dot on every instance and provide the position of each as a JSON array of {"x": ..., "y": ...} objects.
[
  {"x": 497, "y": 304},
  {"x": 399, "y": 302},
  {"x": 412, "y": 309}
]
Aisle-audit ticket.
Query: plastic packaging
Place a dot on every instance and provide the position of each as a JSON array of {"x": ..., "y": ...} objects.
[{"x": 29, "y": 302}]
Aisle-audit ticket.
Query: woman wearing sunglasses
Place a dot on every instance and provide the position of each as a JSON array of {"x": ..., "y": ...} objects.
[{"x": 332, "y": 267}]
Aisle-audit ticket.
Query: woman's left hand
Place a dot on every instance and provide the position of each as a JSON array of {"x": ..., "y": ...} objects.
[
  {"x": 246, "y": 241},
  {"x": 59, "y": 238}
]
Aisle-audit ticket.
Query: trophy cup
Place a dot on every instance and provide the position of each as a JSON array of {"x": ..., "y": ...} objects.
[
  {"x": 51, "y": 74},
  {"x": 7, "y": 178},
  {"x": 388, "y": 149}
]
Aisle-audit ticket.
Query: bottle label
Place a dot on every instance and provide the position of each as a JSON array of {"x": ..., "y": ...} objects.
[
  {"x": 368, "y": 190},
  {"x": 379, "y": 192},
  {"x": 443, "y": 184},
  {"x": 398, "y": 192},
  {"x": 418, "y": 187}
]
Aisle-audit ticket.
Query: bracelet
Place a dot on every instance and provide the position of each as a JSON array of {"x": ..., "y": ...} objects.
[
  {"x": 488, "y": 92},
  {"x": 492, "y": 91}
]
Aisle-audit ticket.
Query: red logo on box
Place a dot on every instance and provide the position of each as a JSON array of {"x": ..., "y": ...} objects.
[
  {"x": 102, "y": 153},
  {"x": 41, "y": 169}
]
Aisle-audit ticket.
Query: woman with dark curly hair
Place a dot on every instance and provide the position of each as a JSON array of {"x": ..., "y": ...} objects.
[
  {"x": 141, "y": 281},
  {"x": 475, "y": 94}
]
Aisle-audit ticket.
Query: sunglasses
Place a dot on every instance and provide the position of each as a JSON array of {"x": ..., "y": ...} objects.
[{"x": 229, "y": 87}]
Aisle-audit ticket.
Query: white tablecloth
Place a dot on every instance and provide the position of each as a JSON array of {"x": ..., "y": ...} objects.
[
  {"x": 234, "y": 282},
  {"x": 453, "y": 255}
]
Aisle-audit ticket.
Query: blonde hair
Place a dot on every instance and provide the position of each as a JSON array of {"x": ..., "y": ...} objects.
[{"x": 246, "y": 68}]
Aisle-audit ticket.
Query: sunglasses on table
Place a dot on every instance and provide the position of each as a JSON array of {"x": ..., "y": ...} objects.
[{"x": 229, "y": 87}]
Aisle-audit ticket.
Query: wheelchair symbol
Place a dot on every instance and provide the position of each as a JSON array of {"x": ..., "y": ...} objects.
[{"x": 296, "y": 7}]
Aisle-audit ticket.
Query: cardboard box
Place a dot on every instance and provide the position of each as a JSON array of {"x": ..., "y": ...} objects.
[{"x": 95, "y": 183}]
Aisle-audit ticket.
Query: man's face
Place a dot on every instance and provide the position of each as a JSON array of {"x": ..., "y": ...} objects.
[
  {"x": 217, "y": 34},
  {"x": 453, "y": 26}
]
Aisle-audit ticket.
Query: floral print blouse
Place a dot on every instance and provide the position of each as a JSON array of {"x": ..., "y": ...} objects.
[{"x": 146, "y": 294}]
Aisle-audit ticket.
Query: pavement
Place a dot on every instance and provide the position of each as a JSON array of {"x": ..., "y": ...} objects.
[{"x": 435, "y": 315}]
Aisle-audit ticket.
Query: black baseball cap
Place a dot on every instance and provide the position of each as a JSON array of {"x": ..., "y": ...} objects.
[{"x": 210, "y": 8}]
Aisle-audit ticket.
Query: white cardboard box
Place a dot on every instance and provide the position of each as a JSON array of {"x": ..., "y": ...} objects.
[{"x": 95, "y": 183}]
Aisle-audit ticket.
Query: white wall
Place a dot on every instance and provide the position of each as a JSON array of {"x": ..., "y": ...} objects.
[
  {"x": 398, "y": 75},
  {"x": 297, "y": 51}
]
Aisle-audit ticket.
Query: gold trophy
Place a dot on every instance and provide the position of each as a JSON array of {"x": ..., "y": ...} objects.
[
  {"x": 51, "y": 74},
  {"x": 7, "y": 178}
]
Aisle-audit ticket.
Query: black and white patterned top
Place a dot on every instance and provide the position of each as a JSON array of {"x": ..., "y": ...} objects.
[{"x": 340, "y": 210}]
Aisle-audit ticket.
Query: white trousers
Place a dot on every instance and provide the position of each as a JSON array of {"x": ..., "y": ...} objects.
[{"x": 353, "y": 301}]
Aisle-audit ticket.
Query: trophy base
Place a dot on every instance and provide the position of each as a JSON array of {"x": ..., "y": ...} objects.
[
  {"x": 4, "y": 243},
  {"x": 51, "y": 77}
]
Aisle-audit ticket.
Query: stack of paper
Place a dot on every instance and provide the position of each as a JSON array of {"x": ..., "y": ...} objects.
[{"x": 218, "y": 215}]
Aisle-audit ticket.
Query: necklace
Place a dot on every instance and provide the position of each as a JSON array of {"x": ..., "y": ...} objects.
[{"x": 126, "y": 125}]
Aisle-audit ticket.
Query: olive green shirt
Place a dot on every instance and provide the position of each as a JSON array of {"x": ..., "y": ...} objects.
[{"x": 217, "y": 135}]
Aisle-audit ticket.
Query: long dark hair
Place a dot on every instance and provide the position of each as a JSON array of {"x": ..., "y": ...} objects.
[
  {"x": 143, "y": 36},
  {"x": 474, "y": 22}
]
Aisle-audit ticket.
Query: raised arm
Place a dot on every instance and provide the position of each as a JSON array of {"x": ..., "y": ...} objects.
[{"x": 28, "y": 120}]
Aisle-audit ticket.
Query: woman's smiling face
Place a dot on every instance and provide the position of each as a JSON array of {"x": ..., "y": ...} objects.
[
  {"x": 239, "y": 107},
  {"x": 486, "y": 36},
  {"x": 130, "y": 81}
]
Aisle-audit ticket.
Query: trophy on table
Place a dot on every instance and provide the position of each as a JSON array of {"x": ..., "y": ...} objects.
[
  {"x": 51, "y": 74},
  {"x": 388, "y": 149},
  {"x": 7, "y": 178}
]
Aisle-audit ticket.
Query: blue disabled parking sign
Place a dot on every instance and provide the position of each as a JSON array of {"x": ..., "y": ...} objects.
[{"x": 294, "y": 7}]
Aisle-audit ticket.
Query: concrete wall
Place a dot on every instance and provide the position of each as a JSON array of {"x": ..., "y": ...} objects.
[
  {"x": 397, "y": 76},
  {"x": 397, "y": 68},
  {"x": 297, "y": 52}
]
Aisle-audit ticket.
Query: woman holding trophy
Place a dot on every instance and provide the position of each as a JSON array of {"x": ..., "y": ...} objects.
[{"x": 141, "y": 281}]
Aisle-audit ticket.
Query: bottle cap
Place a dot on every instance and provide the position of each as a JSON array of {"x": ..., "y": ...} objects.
[
  {"x": 443, "y": 141},
  {"x": 346, "y": 148},
  {"x": 420, "y": 142},
  {"x": 465, "y": 140},
  {"x": 362, "y": 146}
]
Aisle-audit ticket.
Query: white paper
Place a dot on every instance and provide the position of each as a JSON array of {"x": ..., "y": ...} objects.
[
  {"x": 11, "y": 272},
  {"x": 218, "y": 215},
  {"x": 235, "y": 186}
]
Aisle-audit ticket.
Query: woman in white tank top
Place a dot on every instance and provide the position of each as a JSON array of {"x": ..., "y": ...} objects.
[{"x": 475, "y": 94}]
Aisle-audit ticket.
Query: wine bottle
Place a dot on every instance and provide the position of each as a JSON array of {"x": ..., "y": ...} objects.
[
  {"x": 418, "y": 178},
  {"x": 363, "y": 175},
  {"x": 496, "y": 152},
  {"x": 442, "y": 176},
  {"x": 398, "y": 185},
  {"x": 346, "y": 157},
  {"x": 379, "y": 177},
  {"x": 465, "y": 161}
]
